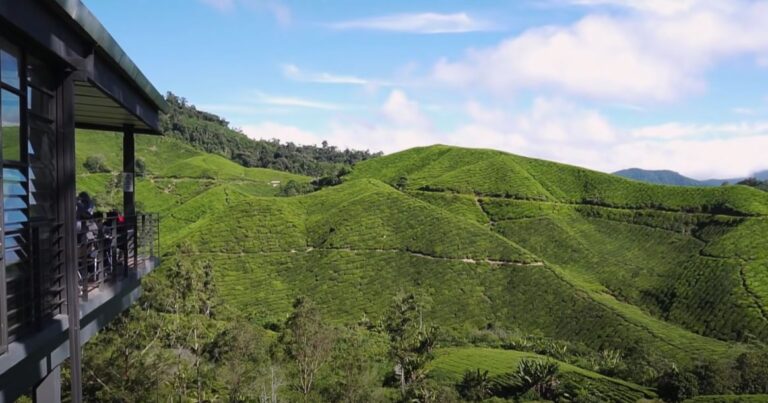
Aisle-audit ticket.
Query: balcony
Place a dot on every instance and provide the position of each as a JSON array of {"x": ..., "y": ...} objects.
[
  {"x": 112, "y": 256},
  {"x": 112, "y": 248}
]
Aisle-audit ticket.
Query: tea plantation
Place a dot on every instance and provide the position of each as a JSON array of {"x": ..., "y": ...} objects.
[{"x": 494, "y": 243}]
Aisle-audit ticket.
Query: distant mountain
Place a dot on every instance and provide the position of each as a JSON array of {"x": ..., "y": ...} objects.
[
  {"x": 663, "y": 177},
  {"x": 667, "y": 177},
  {"x": 761, "y": 176}
]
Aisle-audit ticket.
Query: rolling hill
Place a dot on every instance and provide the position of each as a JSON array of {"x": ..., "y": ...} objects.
[
  {"x": 492, "y": 240},
  {"x": 666, "y": 177}
]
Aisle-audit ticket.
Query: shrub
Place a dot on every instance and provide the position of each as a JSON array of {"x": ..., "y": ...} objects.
[
  {"x": 140, "y": 167},
  {"x": 752, "y": 369},
  {"x": 402, "y": 183},
  {"x": 539, "y": 377},
  {"x": 96, "y": 164},
  {"x": 714, "y": 378},
  {"x": 475, "y": 386},
  {"x": 676, "y": 386},
  {"x": 294, "y": 188}
]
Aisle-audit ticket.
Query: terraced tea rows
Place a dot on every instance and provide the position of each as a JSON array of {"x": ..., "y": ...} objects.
[
  {"x": 490, "y": 239},
  {"x": 451, "y": 363}
]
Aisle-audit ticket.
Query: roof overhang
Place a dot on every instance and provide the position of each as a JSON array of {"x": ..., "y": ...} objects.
[{"x": 111, "y": 92}]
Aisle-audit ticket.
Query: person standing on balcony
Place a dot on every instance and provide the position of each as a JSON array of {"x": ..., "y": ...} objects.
[{"x": 87, "y": 232}]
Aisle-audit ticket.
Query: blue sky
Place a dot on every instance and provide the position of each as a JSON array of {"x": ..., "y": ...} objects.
[{"x": 606, "y": 84}]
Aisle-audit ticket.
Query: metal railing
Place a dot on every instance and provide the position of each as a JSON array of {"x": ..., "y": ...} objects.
[{"x": 109, "y": 249}]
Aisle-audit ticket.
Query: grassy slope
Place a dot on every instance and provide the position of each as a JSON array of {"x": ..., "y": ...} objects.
[
  {"x": 729, "y": 399},
  {"x": 495, "y": 173},
  {"x": 329, "y": 246},
  {"x": 176, "y": 172},
  {"x": 648, "y": 252},
  {"x": 352, "y": 247},
  {"x": 451, "y": 363}
]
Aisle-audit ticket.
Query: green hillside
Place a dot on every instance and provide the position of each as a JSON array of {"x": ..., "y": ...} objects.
[
  {"x": 175, "y": 171},
  {"x": 499, "y": 174},
  {"x": 452, "y": 363},
  {"x": 513, "y": 257}
]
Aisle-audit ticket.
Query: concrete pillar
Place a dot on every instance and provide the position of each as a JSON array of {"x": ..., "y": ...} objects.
[{"x": 49, "y": 389}]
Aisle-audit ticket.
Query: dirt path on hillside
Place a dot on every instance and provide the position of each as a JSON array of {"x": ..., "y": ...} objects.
[{"x": 416, "y": 254}]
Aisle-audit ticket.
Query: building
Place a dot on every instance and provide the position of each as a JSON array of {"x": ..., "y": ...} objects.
[{"x": 61, "y": 278}]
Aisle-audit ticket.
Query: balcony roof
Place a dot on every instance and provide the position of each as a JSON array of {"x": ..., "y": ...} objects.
[{"x": 81, "y": 15}]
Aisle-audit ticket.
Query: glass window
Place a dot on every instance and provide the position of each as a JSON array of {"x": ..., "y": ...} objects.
[
  {"x": 9, "y": 67},
  {"x": 39, "y": 102},
  {"x": 10, "y": 124}
]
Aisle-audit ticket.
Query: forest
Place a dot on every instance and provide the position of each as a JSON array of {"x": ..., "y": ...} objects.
[{"x": 211, "y": 133}]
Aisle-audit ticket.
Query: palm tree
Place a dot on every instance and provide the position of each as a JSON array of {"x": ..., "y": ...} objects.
[
  {"x": 475, "y": 386},
  {"x": 539, "y": 376}
]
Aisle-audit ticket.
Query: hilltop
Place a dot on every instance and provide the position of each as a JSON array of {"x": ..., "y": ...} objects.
[
  {"x": 514, "y": 256},
  {"x": 498, "y": 174},
  {"x": 210, "y": 133}
]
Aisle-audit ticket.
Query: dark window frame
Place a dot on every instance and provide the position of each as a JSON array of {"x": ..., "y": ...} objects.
[{"x": 23, "y": 165}]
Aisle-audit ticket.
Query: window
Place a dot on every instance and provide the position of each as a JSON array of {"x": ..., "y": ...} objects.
[
  {"x": 10, "y": 129},
  {"x": 30, "y": 273},
  {"x": 9, "y": 66},
  {"x": 10, "y": 105}
]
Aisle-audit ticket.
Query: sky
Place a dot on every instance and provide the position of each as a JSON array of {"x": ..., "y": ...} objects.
[{"x": 604, "y": 84}]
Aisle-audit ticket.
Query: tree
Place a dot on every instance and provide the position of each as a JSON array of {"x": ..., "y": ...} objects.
[
  {"x": 410, "y": 343},
  {"x": 354, "y": 374},
  {"x": 294, "y": 188},
  {"x": 755, "y": 183},
  {"x": 475, "y": 386},
  {"x": 676, "y": 386},
  {"x": 241, "y": 351},
  {"x": 308, "y": 342},
  {"x": 96, "y": 164},
  {"x": 402, "y": 183},
  {"x": 539, "y": 376},
  {"x": 752, "y": 369},
  {"x": 211, "y": 133},
  {"x": 714, "y": 378}
]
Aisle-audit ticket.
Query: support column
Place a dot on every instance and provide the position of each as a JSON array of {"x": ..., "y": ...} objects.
[
  {"x": 129, "y": 172},
  {"x": 129, "y": 194},
  {"x": 49, "y": 389},
  {"x": 66, "y": 207}
]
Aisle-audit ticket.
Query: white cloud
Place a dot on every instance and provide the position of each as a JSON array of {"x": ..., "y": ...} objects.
[
  {"x": 420, "y": 23},
  {"x": 664, "y": 7},
  {"x": 740, "y": 110},
  {"x": 403, "y": 127},
  {"x": 702, "y": 159},
  {"x": 221, "y": 5},
  {"x": 402, "y": 111},
  {"x": 272, "y": 130},
  {"x": 676, "y": 130},
  {"x": 551, "y": 128},
  {"x": 638, "y": 57},
  {"x": 565, "y": 123},
  {"x": 279, "y": 11},
  {"x": 293, "y": 72},
  {"x": 276, "y": 100}
]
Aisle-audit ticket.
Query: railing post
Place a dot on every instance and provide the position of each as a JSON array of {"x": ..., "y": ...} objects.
[
  {"x": 135, "y": 243},
  {"x": 151, "y": 236}
]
